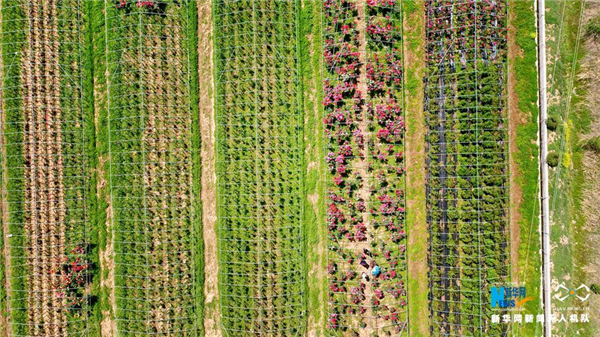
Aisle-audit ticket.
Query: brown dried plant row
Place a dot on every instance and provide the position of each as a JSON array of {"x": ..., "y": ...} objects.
[
  {"x": 150, "y": 131},
  {"x": 168, "y": 177},
  {"x": 44, "y": 189}
]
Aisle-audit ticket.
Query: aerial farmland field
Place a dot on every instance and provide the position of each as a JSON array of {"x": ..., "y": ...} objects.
[
  {"x": 299, "y": 168},
  {"x": 150, "y": 168},
  {"x": 44, "y": 213},
  {"x": 258, "y": 162},
  {"x": 467, "y": 192},
  {"x": 364, "y": 127}
]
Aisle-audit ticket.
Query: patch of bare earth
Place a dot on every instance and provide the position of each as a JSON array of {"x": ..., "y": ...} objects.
[
  {"x": 589, "y": 73},
  {"x": 591, "y": 211},
  {"x": 209, "y": 178},
  {"x": 107, "y": 263},
  {"x": 107, "y": 280}
]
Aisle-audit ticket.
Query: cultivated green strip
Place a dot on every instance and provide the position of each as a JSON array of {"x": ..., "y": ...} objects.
[
  {"x": 151, "y": 153},
  {"x": 12, "y": 44},
  {"x": 314, "y": 206},
  {"x": 523, "y": 19},
  {"x": 46, "y": 192},
  {"x": 194, "y": 100},
  {"x": 259, "y": 164}
]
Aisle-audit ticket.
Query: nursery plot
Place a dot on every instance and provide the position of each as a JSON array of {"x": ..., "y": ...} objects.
[
  {"x": 151, "y": 168},
  {"x": 467, "y": 185},
  {"x": 364, "y": 130},
  {"x": 43, "y": 168},
  {"x": 261, "y": 261}
]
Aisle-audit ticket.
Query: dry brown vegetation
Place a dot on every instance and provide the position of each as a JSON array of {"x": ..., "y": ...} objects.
[
  {"x": 151, "y": 169},
  {"x": 591, "y": 163},
  {"x": 44, "y": 198}
]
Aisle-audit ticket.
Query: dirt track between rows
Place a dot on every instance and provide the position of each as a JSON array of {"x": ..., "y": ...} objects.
[{"x": 209, "y": 178}]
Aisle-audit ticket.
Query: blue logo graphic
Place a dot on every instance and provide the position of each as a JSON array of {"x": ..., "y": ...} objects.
[{"x": 506, "y": 297}]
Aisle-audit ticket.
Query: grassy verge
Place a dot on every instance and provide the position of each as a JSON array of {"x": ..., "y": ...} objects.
[
  {"x": 192, "y": 31},
  {"x": 3, "y": 280},
  {"x": 11, "y": 55},
  {"x": 416, "y": 221},
  {"x": 314, "y": 210},
  {"x": 96, "y": 98},
  {"x": 95, "y": 213},
  {"x": 522, "y": 19},
  {"x": 566, "y": 179}
]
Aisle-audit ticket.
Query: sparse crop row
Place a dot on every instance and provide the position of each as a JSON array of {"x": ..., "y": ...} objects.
[
  {"x": 151, "y": 168},
  {"x": 45, "y": 165},
  {"x": 467, "y": 187},
  {"x": 364, "y": 127},
  {"x": 261, "y": 274}
]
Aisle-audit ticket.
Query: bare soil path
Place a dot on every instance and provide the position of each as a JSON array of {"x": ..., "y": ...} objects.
[
  {"x": 515, "y": 118},
  {"x": 107, "y": 262},
  {"x": 360, "y": 165},
  {"x": 209, "y": 178},
  {"x": 107, "y": 253},
  {"x": 588, "y": 75},
  {"x": 591, "y": 212}
]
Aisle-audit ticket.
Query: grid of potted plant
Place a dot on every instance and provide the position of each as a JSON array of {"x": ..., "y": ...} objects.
[
  {"x": 467, "y": 162},
  {"x": 261, "y": 279},
  {"x": 44, "y": 134},
  {"x": 364, "y": 129},
  {"x": 151, "y": 155}
]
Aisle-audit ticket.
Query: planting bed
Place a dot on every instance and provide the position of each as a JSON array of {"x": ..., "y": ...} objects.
[
  {"x": 43, "y": 177},
  {"x": 467, "y": 184},
  {"x": 259, "y": 181},
  {"x": 364, "y": 130},
  {"x": 151, "y": 168}
]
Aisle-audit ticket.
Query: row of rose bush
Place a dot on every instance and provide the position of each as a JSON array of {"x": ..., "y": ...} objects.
[{"x": 364, "y": 132}]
